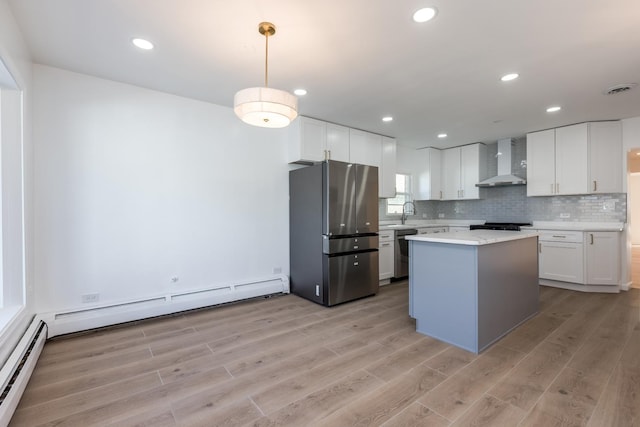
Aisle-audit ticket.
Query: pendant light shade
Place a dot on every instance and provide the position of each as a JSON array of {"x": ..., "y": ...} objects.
[{"x": 264, "y": 106}]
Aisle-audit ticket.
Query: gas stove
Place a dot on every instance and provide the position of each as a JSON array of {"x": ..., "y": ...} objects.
[{"x": 510, "y": 226}]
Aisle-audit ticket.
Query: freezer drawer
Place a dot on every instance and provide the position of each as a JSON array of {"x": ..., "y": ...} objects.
[
  {"x": 348, "y": 244},
  {"x": 349, "y": 277}
]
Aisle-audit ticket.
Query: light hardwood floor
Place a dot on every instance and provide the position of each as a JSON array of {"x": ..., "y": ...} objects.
[
  {"x": 287, "y": 361},
  {"x": 635, "y": 266}
]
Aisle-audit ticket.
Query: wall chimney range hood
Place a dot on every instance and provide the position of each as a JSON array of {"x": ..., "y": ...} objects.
[{"x": 504, "y": 177}]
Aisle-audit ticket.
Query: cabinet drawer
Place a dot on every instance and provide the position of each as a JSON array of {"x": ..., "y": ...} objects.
[
  {"x": 561, "y": 236},
  {"x": 386, "y": 236},
  {"x": 431, "y": 230}
]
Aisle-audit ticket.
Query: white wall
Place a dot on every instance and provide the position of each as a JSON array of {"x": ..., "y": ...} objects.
[
  {"x": 17, "y": 172},
  {"x": 134, "y": 186}
]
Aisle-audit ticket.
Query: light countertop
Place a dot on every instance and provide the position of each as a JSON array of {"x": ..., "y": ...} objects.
[
  {"x": 473, "y": 237},
  {"x": 576, "y": 226}
]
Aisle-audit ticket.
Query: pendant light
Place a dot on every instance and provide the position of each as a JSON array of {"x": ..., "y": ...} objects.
[{"x": 264, "y": 106}]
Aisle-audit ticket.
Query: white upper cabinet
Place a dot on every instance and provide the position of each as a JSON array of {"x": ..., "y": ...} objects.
[
  {"x": 428, "y": 174},
  {"x": 387, "y": 172},
  {"x": 572, "y": 159},
  {"x": 541, "y": 163},
  {"x": 337, "y": 145},
  {"x": 365, "y": 148},
  {"x": 375, "y": 150},
  {"x": 462, "y": 168},
  {"x": 605, "y": 157},
  {"x": 577, "y": 159},
  {"x": 451, "y": 173},
  {"x": 312, "y": 140}
]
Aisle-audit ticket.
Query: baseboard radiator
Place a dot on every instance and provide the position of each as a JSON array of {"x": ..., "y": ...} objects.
[
  {"x": 18, "y": 368},
  {"x": 69, "y": 321}
]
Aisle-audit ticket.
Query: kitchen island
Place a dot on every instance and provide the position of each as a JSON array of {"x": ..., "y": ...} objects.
[{"x": 470, "y": 288}]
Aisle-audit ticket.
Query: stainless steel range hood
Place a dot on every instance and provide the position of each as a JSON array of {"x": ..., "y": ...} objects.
[{"x": 504, "y": 177}]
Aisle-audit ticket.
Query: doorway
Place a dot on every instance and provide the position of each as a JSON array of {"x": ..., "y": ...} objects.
[{"x": 633, "y": 194}]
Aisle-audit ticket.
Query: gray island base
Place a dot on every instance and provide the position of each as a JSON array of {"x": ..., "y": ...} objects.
[{"x": 471, "y": 288}]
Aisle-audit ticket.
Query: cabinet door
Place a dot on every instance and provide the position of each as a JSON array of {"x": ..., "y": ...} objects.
[
  {"x": 387, "y": 169},
  {"x": 385, "y": 259},
  {"x": 605, "y": 157},
  {"x": 470, "y": 171},
  {"x": 365, "y": 148},
  {"x": 603, "y": 258},
  {"x": 541, "y": 175},
  {"x": 427, "y": 174},
  {"x": 337, "y": 142},
  {"x": 561, "y": 261},
  {"x": 572, "y": 159},
  {"x": 451, "y": 173},
  {"x": 312, "y": 139}
]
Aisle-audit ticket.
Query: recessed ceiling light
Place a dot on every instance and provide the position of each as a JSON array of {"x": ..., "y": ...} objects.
[
  {"x": 553, "y": 109},
  {"x": 387, "y": 119},
  {"x": 638, "y": 153},
  {"x": 300, "y": 92},
  {"x": 509, "y": 77},
  {"x": 142, "y": 44},
  {"x": 425, "y": 14},
  {"x": 442, "y": 135}
]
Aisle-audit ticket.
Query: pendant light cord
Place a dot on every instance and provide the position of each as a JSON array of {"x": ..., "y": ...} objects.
[{"x": 266, "y": 60}]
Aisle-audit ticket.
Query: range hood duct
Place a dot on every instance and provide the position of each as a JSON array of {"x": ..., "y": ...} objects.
[{"x": 504, "y": 177}]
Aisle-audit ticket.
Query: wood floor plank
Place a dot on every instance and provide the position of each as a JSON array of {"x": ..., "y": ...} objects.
[
  {"x": 417, "y": 415},
  {"x": 33, "y": 396},
  {"x": 283, "y": 393},
  {"x": 85, "y": 366},
  {"x": 570, "y": 400},
  {"x": 188, "y": 368},
  {"x": 530, "y": 378},
  {"x": 532, "y": 332},
  {"x": 386, "y": 401},
  {"x": 155, "y": 417},
  {"x": 134, "y": 405},
  {"x": 490, "y": 411},
  {"x": 451, "y": 360},
  {"x": 323, "y": 402},
  {"x": 620, "y": 402},
  {"x": 72, "y": 403},
  {"x": 460, "y": 391},
  {"x": 237, "y": 388},
  {"x": 407, "y": 358},
  {"x": 236, "y": 414}
]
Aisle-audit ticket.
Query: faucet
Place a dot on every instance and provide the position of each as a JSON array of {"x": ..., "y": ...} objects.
[{"x": 403, "y": 217}]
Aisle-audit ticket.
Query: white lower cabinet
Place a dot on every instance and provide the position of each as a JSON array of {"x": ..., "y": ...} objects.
[
  {"x": 561, "y": 261},
  {"x": 386, "y": 253},
  {"x": 589, "y": 258},
  {"x": 603, "y": 257}
]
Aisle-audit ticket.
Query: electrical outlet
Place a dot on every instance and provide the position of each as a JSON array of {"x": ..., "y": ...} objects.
[
  {"x": 277, "y": 270},
  {"x": 424, "y": 216},
  {"x": 565, "y": 215},
  {"x": 440, "y": 215},
  {"x": 89, "y": 298},
  {"x": 609, "y": 205}
]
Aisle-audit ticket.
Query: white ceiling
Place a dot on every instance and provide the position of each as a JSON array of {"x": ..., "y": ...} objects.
[{"x": 363, "y": 59}]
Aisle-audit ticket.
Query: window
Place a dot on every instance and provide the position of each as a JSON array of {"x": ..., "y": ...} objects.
[
  {"x": 403, "y": 195},
  {"x": 12, "y": 274}
]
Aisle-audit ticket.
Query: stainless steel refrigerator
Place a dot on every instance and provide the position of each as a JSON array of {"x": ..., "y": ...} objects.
[{"x": 333, "y": 231}]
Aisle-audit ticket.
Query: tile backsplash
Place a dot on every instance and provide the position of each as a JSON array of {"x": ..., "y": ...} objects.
[{"x": 504, "y": 204}]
